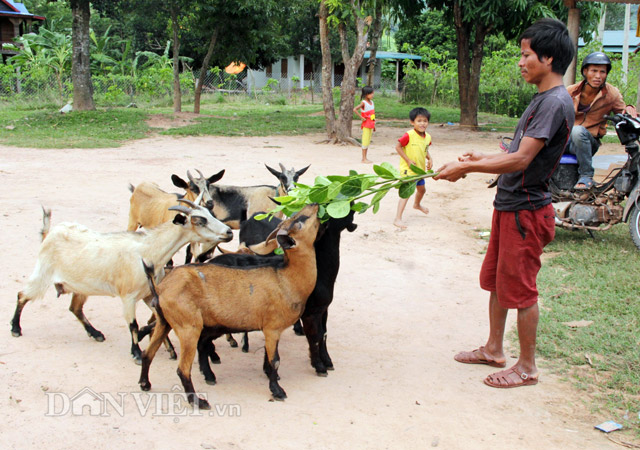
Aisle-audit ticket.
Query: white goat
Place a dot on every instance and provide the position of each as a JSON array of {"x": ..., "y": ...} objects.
[{"x": 83, "y": 262}]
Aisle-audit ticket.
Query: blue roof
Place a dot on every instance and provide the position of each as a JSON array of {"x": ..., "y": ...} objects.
[
  {"x": 613, "y": 40},
  {"x": 21, "y": 10},
  {"x": 393, "y": 55}
]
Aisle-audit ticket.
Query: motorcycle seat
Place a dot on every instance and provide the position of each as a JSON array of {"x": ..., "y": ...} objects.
[{"x": 568, "y": 158}]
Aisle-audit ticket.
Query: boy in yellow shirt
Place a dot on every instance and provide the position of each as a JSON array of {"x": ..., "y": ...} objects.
[{"x": 413, "y": 148}]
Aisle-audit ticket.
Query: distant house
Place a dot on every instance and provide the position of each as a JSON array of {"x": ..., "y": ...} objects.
[
  {"x": 614, "y": 39},
  {"x": 297, "y": 66},
  {"x": 15, "y": 21}
]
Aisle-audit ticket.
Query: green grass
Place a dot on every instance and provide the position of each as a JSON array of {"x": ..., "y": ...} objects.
[
  {"x": 389, "y": 111},
  {"x": 29, "y": 125},
  {"x": 595, "y": 280},
  {"x": 87, "y": 129},
  {"x": 240, "y": 119}
]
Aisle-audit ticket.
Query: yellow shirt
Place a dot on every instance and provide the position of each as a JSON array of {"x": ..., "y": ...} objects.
[{"x": 416, "y": 150}]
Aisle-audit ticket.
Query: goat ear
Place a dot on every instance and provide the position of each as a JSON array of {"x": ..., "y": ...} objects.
[
  {"x": 285, "y": 241},
  {"x": 180, "y": 219},
  {"x": 216, "y": 177},
  {"x": 264, "y": 248},
  {"x": 179, "y": 182},
  {"x": 301, "y": 171},
  {"x": 273, "y": 171}
]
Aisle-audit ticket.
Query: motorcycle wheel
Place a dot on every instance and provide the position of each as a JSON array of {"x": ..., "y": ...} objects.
[{"x": 634, "y": 225}]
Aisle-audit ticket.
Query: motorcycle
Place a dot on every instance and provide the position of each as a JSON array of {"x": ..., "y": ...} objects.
[{"x": 600, "y": 207}]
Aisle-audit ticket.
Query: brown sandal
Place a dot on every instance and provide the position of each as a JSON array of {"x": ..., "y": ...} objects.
[
  {"x": 478, "y": 356},
  {"x": 505, "y": 379}
]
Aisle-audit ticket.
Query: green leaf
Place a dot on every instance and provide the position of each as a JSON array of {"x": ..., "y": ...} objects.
[
  {"x": 406, "y": 190},
  {"x": 260, "y": 216},
  {"x": 322, "y": 180},
  {"x": 352, "y": 188},
  {"x": 338, "y": 210},
  {"x": 278, "y": 251},
  {"x": 360, "y": 207},
  {"x": 284, "y": 199},
  {"x": 379, "y": 196},
  {"x": 338, "y": 178},
  {"x": 417, "y": 170},
  {"x": 384, "y": 172}
]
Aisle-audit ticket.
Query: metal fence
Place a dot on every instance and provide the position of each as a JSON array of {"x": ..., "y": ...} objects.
[{"x": 121, "y": 89}]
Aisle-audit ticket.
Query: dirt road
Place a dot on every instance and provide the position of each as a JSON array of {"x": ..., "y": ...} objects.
[{"x": 406, "y": 302}]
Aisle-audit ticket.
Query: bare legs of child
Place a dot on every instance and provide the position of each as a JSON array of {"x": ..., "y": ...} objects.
[
  {"x": 364, "y": 156},
  {"x": 402, "y": 203},
  {"x": 366, "y": 140}
]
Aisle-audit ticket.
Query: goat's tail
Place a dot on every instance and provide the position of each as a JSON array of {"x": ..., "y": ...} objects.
[
  {"x": 149, "y": 271},
  {"x": 131, "y": 188},
  {"x": 46, "y": 223}
]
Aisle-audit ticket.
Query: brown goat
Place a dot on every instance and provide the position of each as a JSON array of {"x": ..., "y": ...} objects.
[
  {"x": 216, "y": 299},
  {"x": 149, "y": 205}
]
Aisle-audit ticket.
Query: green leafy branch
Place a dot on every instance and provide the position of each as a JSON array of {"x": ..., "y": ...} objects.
[{"x": 336, "y": 195}]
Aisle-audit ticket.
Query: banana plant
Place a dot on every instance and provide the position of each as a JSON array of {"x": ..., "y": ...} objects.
[{"x": 46, "y": 49}]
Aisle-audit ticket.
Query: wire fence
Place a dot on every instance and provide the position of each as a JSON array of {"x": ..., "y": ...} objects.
[{"x": 157, "y": 86}]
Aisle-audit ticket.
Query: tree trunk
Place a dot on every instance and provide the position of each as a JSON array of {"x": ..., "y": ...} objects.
[
  {"x": 373, "y": 48},
  {"x": 476, "y": 66},
  {"x": 469, "y": 65},
  {"x": 203, "y": 71},
  {"x": 177, "y": 94},
  {"x": 327, "y": 64},
  {"x": 80, "y": 67},
  {"x": 351, "y": 65}
]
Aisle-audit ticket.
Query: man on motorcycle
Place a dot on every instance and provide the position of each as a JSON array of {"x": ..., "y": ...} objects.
[{"x": 593, "y": 98}]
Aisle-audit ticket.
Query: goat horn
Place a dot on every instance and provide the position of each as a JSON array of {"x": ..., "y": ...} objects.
[
  {"x": 181, "y": 208},
  {"x": 200, "y": 173},
  {"x": 282, "y": 167},
  {"x": 272, "y": 235},
  {"x": 188, "y": 202},
  {"x": 190, "y": 177}
]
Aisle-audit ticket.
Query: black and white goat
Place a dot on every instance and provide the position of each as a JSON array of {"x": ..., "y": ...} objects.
[{"x": 235, "y": 204}]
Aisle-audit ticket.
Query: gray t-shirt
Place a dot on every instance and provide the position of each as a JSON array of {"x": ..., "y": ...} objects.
[{"x": 549, "y": 116}]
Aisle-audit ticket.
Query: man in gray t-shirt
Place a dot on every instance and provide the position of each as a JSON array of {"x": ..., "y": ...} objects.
[
  {"x": 523, "y": 217},
  {"x": 549, "y": 116}
]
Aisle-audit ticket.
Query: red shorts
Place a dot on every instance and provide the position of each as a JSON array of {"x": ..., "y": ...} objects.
[{"x": 512, "y": 262}]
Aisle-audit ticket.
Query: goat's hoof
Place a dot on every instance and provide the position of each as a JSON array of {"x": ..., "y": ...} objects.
[
  {"x": 210, "y": 382},
  {"x": 233, "y": 343},
  {"x": 145, "y": 385},
  {"x": 203, "y": 404},
  {"x": 98, "y": 338},
  {"x": 16, "y": 333},
  {"x": 173, "y": 355},
  {"x": 137, "y": 360},
  {"x": 279, "y": 396},
  {"x": 245, "y": 349},
  {"x": 322, "y": 374}
]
